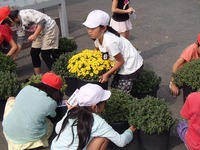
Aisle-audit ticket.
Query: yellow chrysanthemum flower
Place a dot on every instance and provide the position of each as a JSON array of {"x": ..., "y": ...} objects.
[{"x": 88, "y": 65}]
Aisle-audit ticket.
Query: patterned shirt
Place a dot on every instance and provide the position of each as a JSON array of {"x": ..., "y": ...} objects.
[{"x": 30, "y": 18}]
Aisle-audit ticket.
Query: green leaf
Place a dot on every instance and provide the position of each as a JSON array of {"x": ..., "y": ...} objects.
[{"x": 150, "y": 115}]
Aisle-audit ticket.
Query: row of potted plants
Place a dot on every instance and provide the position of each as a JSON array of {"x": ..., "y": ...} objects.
[
  {"x": 188, "y": 75},
  {"x": 88, "y": 65},
  {"x": 150, "y": 115}
]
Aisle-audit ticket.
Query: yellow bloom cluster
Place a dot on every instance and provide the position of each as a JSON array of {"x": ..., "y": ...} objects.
[{"x": 88, "y": 65}]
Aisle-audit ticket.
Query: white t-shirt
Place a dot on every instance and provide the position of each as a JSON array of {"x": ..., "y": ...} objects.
[{"x": 114, "y": 45}]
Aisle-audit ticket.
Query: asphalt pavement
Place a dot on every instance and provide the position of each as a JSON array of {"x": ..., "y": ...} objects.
[{"x": 161, "y": 30}]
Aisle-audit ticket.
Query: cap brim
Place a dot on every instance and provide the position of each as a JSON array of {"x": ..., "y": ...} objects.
[
  {"x": 107, "y": 95},
  {"x": 88, "y": 25}
]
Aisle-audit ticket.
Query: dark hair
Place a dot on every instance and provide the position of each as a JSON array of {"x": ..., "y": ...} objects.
[
  {"x": 51, "y": 92},
  {"x": 84, "y": 122},
  {"x": 7, "y": 21},
  {"x": 13, "y": 14},
  {"x": 198, "y": 44},
  {"x": 110, "y": 29}
]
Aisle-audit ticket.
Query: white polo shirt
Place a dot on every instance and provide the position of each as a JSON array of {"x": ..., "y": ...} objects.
[{"x": 114, "y": 45}]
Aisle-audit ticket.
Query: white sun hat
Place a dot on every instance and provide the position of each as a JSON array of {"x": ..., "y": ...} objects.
[
  {"x": 91, "y": 94},
  {"x": 96, "y": 18}
]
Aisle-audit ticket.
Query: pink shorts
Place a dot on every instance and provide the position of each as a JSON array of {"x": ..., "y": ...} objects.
[{"x": 121, "y": 26}]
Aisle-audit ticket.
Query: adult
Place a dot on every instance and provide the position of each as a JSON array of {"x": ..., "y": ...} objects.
[
  {"x": 25, "y": 123},
  {"x": 82, "y": 128},
  {"x": 188, "y": 54},
  {"x": 45, "y": 35},
  {"x": 128, "y": 62}
]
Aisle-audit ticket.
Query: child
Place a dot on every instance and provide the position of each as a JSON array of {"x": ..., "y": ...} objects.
[
  {"x": 128, "y": 62},
  {"x": 81, "y": 128},
  {"x": 6, "y": 33},
  {"x": 190, "y": 53},
  {"x": 189, "y": 132},
  {"x": 45, "y": 35},
  {"x": 120, "y": 20},
  {"x": 25, "y": 123}
]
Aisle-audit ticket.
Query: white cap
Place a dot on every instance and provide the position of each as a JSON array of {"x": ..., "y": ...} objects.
[
  {"x": 96, "y": 18},
  {"x": 91, "y": 94}
]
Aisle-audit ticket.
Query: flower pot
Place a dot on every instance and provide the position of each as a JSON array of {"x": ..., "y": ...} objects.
[
  {"x": 186, "y": 91},
  {"x": 120, "y": 127},
  {"x": 2, "y": 107},
  {"x": 83, "y": 82},
  {"x": 153, "y": 141},
  {"x": 72, "y": 85}
]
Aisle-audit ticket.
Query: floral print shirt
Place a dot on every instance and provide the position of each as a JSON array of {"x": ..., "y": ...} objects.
[{"x": 30, "y": 18}]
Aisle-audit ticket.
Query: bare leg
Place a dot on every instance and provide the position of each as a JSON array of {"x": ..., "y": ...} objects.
[
  {"x": 125, "y": 34},
  {"x": 98, "y": 143},
  {"x": 37, "y": 71}
]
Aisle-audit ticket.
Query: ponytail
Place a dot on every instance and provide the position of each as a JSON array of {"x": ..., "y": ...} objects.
[
  {"x": 110, "y": 29},
  {"x": 84, "y": 122}
]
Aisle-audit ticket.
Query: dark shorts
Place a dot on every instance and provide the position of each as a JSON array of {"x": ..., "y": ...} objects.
[{"x": 125, "y": 82}]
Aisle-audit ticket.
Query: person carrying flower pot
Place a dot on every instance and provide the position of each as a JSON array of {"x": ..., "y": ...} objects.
[
  {"x": 128, "y": 62},
  {"x": 81, "y": 127},
  {"x": 25, "y": 123},
  {"x": 188, "y": 54},
  {"x": 6, "y": 33},
  {"x": 188, "y": 130}
]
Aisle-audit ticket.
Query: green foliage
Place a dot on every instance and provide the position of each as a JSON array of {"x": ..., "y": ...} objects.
[
  {"x": 38, "y": 79},
  {"x": 147, "y": 81},
  {"x": 60, "y": 66},
  {"x": 9, "y": 85},
  {"x": 32, "y": 79},
  {"x": 7, "y": 63},
  {"x": 189, "y": 74},
  {"x": 65, "y": 45},
  {"x": 151, "y": 115},
  {"x": 116, "y": 109}
]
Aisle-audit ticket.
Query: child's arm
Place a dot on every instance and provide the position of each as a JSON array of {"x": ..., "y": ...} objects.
[{"x": 13, "y": 48}]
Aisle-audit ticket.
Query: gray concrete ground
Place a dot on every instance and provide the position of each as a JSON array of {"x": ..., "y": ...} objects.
[{"x": 162, "y": 29}]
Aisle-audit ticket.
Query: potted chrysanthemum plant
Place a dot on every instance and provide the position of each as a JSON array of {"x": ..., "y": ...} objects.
[{"x": 88, "y": 66}]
